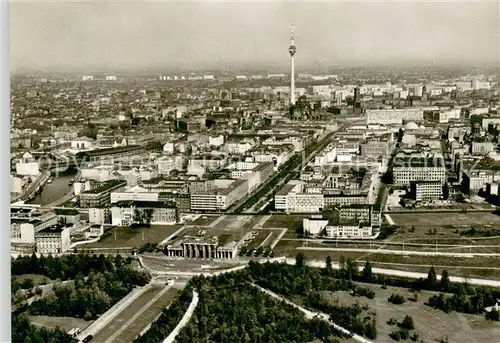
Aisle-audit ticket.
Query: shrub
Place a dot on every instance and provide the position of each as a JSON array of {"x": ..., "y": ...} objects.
[
  {"x": 407, "y": 323},
  {"x": 396, "y": 299}
]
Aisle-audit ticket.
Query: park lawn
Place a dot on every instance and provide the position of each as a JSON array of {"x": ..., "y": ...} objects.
[
  {"x": 431, "y": 324},
  {"x": 64, "y": 323},
  {"x": 133, "y": 237}
]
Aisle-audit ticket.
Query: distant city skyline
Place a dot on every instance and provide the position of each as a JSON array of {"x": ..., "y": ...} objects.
[{"x": 91, "y": 37}]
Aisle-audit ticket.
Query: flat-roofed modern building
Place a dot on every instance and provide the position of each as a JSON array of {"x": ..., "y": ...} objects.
[
  {"x": 394, "y": 116},
  {"x": 426, "y": 190},
  {"x": 126, "y": 213},
  {"x": 298, "y": 198},
  {"x": 99, "y": 195},
  {"x": 417, "y": 166},
  {"x": 360, "y": 213}
]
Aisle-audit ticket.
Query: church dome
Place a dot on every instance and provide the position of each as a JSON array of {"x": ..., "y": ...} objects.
[{"x": 411, "y": 126}]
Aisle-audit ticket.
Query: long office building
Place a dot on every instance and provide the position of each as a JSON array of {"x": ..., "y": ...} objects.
[
  {"x": 394, "y": 116},
  {"x": 417, "y": 166}
]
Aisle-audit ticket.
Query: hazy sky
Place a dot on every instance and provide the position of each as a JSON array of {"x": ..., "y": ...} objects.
[{"x": 87, "y": 36}]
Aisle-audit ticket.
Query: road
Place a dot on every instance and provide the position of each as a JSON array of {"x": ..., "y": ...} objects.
[
  {"x": 268, "y": 196},
  {"x": 321, "y": 264}
]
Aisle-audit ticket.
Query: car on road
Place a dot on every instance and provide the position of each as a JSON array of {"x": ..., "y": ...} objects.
[{"x": 87, "y": 339}]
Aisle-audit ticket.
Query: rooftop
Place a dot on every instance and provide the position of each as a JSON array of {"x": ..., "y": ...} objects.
[
  {"x": 145, "y": 204},
  {"x": 105, "y": 186}
]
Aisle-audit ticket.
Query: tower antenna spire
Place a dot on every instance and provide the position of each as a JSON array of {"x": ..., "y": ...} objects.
[{"x": 292, "y": 50}]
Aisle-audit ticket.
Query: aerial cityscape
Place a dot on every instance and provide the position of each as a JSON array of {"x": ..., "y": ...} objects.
[{"x": 216, "y": 172}]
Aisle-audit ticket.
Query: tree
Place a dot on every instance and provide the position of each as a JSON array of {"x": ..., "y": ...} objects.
[
  {"x": 300, "y": 260},
  {"x": 371, "y": 330},
  {"x": 407, "y": 323},
  {"x": 445, "y": 281},
  {"x": 328, "y": 267},
  {"x": 367, "y": 271},
  {"x": 493, "y": 315},
  {"x": 431, "y": 277}
]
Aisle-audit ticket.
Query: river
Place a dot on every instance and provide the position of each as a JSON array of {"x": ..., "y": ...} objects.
[{"x": 55, "y": 190}]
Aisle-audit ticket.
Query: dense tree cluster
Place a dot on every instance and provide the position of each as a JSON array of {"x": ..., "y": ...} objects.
[
  {"x": 98, "y": 283},
  {"x": 24, "y": 332},
  {"x": 301, "y": 280},
  {"x": 228, "y": 312},
  {"x": 66, "y": 267},
  {"x": 474, "y": 303},
  {"x": 303, "y": 284},
  {"x": 88, "y": 297}
]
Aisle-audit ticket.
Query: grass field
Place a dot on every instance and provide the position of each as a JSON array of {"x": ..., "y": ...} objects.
[
  {"x": 431, "y": 324},
  {"x": 128, "y": 237},
  {"x": 134, "y": 329},
  {"x": 64, "y": 323},
  {"x": 117, "y": 322},
  {"x": 285, "y": 221}
]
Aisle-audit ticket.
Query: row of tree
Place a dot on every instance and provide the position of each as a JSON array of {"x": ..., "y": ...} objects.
[{"x": 461, "y": 302}]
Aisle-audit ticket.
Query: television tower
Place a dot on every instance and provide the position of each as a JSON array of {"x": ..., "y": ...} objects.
[{"x": 292, "y": 50}]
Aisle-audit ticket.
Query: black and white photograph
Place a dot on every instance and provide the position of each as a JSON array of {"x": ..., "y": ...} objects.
[{"x": 252, "y": 172}]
